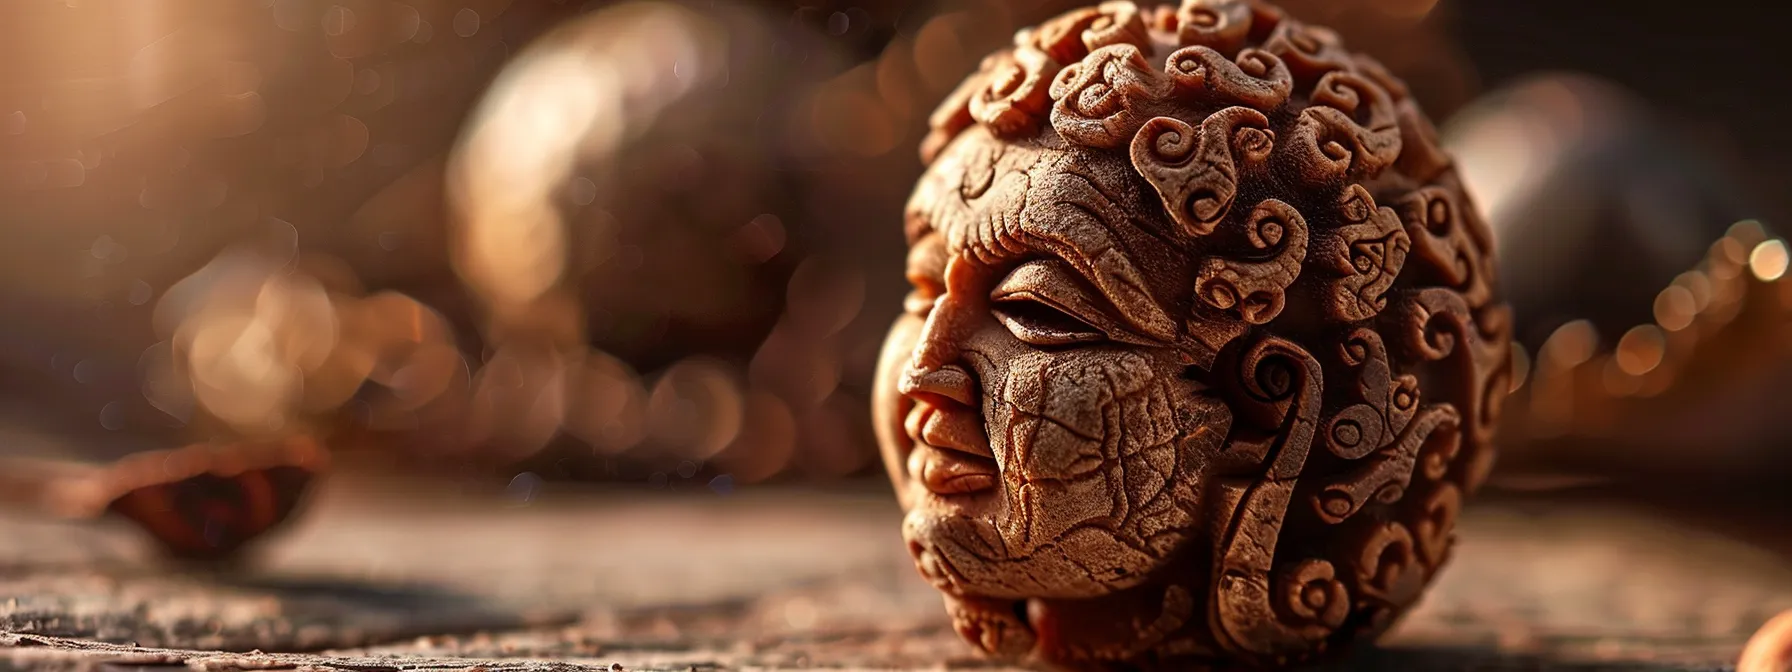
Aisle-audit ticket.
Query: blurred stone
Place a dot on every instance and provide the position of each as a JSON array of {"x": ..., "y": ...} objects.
[{"x": 1586, "y": 187}]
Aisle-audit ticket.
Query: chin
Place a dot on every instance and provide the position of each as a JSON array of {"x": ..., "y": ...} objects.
[{"x": 967, "y": 555}]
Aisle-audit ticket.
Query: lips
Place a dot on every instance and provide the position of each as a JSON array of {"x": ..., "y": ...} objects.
[{"x": 951, "y": 455}]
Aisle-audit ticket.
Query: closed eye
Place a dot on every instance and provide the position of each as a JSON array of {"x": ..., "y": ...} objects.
[
  {"x": 1037, "y": 322},
  {"x": 1042, "y": 303}
]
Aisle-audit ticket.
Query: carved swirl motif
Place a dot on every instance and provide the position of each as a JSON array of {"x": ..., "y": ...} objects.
[
  {"x": 1388, "y": 401},
  {"x": 1256, "y": 79},
  {"x": 1014, "y": 101},
  {"x": 1072, "y": 35},
  {"x": 1442, "y": 327},
  {"x": 1103, "y": 100},
  {"x": 1196, "y": 173},
  {"x": 1434, "y": 531},
  {"x": 1310, "y": 51},
  {"x": 1451, "y": 241},
  {"x": 1388, "y": 471},
  {"x": 1281, "y": 390},
  {"x": 1222, "y": 25},
  {"x": 951, "y": 117},
  {"x": 1350, "y": 132},
  {"x": 1115, "y": 235},
  {"x": 1369, "y": 251},
  {"x": 1315, "y": 595},
  {"x": 1422, "y": 156},
  {"x": 1253, "y": 290},
  {"x": 1389, "y": 570}
]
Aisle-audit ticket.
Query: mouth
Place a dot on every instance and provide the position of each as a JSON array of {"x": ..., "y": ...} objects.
[{"x": 951, "y": 456}]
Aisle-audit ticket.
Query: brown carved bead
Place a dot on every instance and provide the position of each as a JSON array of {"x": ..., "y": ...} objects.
[{"x": 1200, "y": 372}]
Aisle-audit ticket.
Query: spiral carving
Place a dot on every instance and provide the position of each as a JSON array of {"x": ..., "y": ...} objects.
[
  {"x": 1442, "y": 327},
  {"x": 1281, "y": 385},
  {"x": 1388, "y": 471},
  {"x": 1388, "y": 402},
  {"x": 1314, "y": 594},
  {"x": 1254, "y": 290},
  {"x": 1451, "y": 242},
  {"x": 1149, "y": 363},
  {"x": 1013, "y": 102},
  {"x": 1434, "y": 531},
  {"x": 1256, "y": 79},
  {"x": 1222, "y": 25},
  {"x": 1389, "y": 571},
  {"x": 1348, "y": 134},
  {"x": 1369, "y": 251},
  {"x": 1072, "y": 35},
  {"x": 1196, "y": 172},
  {"x": 1310, "y": 51},
  {"x": 1103, "y": 100},
  {"x": 952, "y": 116}
]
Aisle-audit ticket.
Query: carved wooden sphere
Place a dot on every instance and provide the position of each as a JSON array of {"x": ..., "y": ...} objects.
[{"x": 1204, "y": 350}]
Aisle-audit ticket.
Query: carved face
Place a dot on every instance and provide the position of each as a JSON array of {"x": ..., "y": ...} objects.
[
  {"x": 1156, "y": 395},
  {"x": 1045, "y": 430}
]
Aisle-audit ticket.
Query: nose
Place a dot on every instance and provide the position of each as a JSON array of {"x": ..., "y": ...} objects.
[
  {"x": 934, "y": 373},
  {"x": 940, "y": 386}
]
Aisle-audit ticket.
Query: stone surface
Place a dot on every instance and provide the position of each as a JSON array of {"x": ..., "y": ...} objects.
[{"x": 389, "y": 576}]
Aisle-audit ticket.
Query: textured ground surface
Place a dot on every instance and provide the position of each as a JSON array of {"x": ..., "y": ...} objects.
[{"x": 388, "y": 578}]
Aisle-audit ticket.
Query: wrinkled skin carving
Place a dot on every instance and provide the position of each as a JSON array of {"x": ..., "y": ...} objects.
[{"x": 1204, "y": 349}]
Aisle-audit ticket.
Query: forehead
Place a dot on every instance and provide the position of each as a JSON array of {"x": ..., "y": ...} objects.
[
  {"x": 997, "y": 204},
  {"x": 989, "y": 200}
]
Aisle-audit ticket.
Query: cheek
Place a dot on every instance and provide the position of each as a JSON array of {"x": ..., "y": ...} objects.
[
  {"x": 1105, "y": 435},
  {"x": 1070, "y": 416},
  {"x": 888, "y": 406}
]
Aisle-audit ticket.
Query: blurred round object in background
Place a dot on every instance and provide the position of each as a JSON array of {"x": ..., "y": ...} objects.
[
  {"x": 1597, "y": 201},
  {"x": 630, "y": 192},
  {"x": 695, "y": 409},
  {"x": 1654, "y": 317},
  {"x": 766, "y": 442},
  {"x": 627, "y": 156},
  {"x": 608, "y": 404}
]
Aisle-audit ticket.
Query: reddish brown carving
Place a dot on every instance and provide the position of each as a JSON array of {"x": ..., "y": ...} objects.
[{"x": 1204, "y": 350}]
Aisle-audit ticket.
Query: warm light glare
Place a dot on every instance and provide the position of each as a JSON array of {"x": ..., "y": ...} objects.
[
  {"x": 1675, "y": 308},
  {"x": 1571, "y": 345},
  {"x": 1641, "y": 350},
  {"x": 1768, "y": 261}
]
